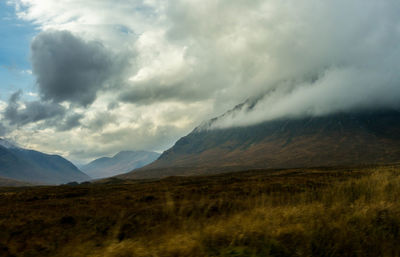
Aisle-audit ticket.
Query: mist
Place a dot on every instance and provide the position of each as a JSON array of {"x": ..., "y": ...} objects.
[{"x": 327, "y": 57}]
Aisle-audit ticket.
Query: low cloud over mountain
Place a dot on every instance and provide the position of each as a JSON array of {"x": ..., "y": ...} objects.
[{"x": 164, "y": 67}]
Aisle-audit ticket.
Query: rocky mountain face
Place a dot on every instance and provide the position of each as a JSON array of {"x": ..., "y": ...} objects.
[
  {"x": 368, "y": 137},
  {"x": 36, "y": 167},
  {"x": 122, "y": 162}
]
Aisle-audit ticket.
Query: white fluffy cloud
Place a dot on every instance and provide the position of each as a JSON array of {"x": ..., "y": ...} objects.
[{"x": 189, "y": 60}]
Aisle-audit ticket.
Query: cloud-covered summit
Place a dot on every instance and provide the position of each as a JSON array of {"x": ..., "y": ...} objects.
[{"x": 134, "y": 72}]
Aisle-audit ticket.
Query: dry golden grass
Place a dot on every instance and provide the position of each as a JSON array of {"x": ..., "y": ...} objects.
[{"x": 343, "y": 212}]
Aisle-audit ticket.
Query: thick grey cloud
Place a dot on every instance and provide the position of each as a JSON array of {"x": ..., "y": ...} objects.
[
  {"x": 112, "y": 105},
  {"x": 48, "y": 114},
  {"x": 306, "y": 57},
  {"x": 298, "y": 58},
  {"x": 67, "y": 68},
  {"x": 153, "y": 92},
  {"x": 35, "y": 111},
  {"x": 100, "y": 120},
  {"x": 71, "y": 121}
]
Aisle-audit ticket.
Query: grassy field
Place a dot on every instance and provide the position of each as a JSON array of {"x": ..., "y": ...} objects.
[{"x": 312, "y": 212}]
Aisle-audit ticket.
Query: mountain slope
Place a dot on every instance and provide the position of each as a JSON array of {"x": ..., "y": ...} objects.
[
  {"x": 122, "y": 162},
  {"x": 36, "y": 167},
  {"x": 5, "y": 182},
  {"x": 339, "y": 139}
]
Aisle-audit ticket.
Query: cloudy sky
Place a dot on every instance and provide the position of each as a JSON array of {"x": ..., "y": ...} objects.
[{"x": 87, "y": 78}]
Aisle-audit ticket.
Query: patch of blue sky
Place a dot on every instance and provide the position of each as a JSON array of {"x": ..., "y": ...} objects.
[
  {"x": 123, "y": 29},
  {"x": 15, "y": 66}
]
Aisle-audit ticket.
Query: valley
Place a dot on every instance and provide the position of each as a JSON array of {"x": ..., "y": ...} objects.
[{"x": 120, "y": 163}]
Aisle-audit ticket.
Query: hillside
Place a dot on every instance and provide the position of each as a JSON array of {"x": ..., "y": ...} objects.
[
  {"x": 5, "y": 182},
  {"x": 122, "y": 162},
  {"x": 36, "y": 167},
  {"x": 334, "y": 140}
]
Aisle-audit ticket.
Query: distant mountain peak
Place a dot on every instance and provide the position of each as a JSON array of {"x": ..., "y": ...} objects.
[
  {"x": 121, "y": 162},
  {"x": 130, "y": 153}
]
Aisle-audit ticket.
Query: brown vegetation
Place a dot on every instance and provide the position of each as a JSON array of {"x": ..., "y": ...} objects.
[{"x": 314, "y": 212}]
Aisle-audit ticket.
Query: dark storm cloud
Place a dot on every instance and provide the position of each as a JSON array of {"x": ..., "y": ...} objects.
[
  {"x": 35, "y": 111},
  {"x": 68, "y": 68}
]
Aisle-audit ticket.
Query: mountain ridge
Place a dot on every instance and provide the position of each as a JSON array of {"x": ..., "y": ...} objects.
[
  {"x": 122, "y": 162},
  {"x": 357, "y": 138},
  {"x": 36, "y": 167}
]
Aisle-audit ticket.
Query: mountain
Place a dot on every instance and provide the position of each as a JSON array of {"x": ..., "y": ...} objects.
[
  {"x": 7, "y": 144},
  {"x": 340, "y": 139},
  {"x": 5, "y": 182},
  {"x": 36, "y": 167},
  {"x": 122, "y": 162}
]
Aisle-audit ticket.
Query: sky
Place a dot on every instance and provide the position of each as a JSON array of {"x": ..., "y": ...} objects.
[
  {"x": 90, "y": 78},
  {"x": 15, "y": 67}
]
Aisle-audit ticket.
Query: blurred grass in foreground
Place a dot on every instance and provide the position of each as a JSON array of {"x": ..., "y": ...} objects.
[{"x": 314, "y": 212}]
